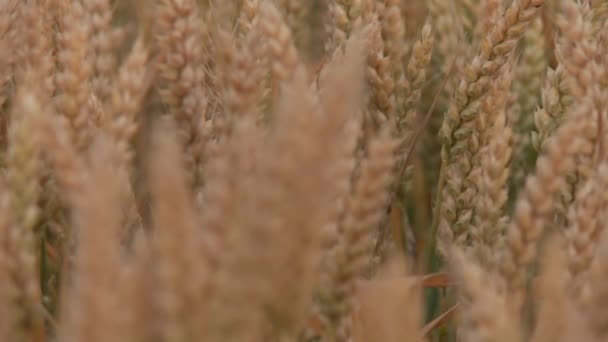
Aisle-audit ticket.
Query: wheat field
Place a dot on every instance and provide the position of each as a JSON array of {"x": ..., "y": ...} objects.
[{"x": 303, "y": 170}]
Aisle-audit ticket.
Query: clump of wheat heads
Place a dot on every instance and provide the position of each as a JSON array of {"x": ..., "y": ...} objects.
[{"x": 223, "y": 170}]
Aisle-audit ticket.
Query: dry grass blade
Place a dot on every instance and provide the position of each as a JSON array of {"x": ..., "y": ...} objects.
[
  {"x": 436, "y": 280},
  {"x": 440, "y": 321}
]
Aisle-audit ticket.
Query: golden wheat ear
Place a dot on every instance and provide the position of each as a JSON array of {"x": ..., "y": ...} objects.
[
  {"x": 586, "y": 218},
  {"x": 22, "y": 190},
  {"x": 127, "y": 96},
  {"x": 577, "y": 51},
  {"x": 241, "y": 73},
  {"x": 181, "y": 76},
  {"x": 536, "y": 201},
  {"x": 74, "y": 73},
  {"x": 104, "y": 39},
  {"x": 531, "y": 65},
  {"x": 362, "y": 209},
  {"x": 459, "y": 132},
  {"x": 393, "y": 35},
  {"x": 365, "y": 210}
]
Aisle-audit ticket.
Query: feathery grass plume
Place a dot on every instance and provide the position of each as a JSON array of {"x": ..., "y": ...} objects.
[
  {"x": 536, "y": 200},
  {"x": 458, "y": 133},
  {"x": 490, "y": 221},
  {"x": 234, "y": 160},
  {"x": 364, "y": 210},
  {"x": 103, "y": 41},
  {"x": 231, "y": 156},
  {"x": 181, "y": 75},
  {"x": 334, "y": 126},
  {"x": 286, "y": 235},
  {"x": 586, "y": 223},
  {"x": 92, "y": 310},
  {"x": 333, "y": 243},
  {"x": 332, "y": 102},
  {"x": 557, "y": 316},
  {"x": 526, "y": 85},
  {"x": 74, "y": 72},
  {"x": 138, "y": 290},
  {"x": 127, "y": 96},
  {"x": 68, "y": 165},
  {"x": 485, "y": 312},
  {"x": 23, "y": 174},
  {"x": 234, "y": 310},
  {"x": 180, "y": 275},
  {"x": 388, "y": 307}
]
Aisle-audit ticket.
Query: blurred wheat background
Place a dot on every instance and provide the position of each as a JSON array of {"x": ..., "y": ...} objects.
[{"x": 303, "y": 170}]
